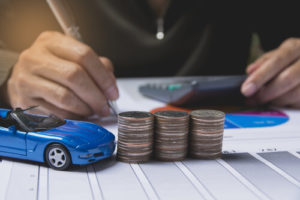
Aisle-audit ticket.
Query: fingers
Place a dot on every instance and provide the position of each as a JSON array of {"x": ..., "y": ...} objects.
[
  {"x": 107, "y": 64},
  {"x": 109, "y": 67},
  {"x": 65, "y": 74},
  {"x": 287, "y": 53},
  {"x": 77, "y": 80},
  {"x": 72, "y": 50},
  {"x": 290, "y": 98},
  {"x": 47, "y": 109},
  {"x": 285, "y": 81},
  {"x": 55, "y": 94},
  {"x": 295, "y": 105},
  {"x": 57, "y": 83},
  {"x": 255, "y": 65},
  {"x": 43, "y": 107}
]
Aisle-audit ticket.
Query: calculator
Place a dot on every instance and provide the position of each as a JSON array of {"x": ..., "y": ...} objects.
[{"x": 196, "y": 91}]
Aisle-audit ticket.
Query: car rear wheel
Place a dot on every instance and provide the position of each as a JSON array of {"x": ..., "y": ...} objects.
[{"x": 57, "y": 157}]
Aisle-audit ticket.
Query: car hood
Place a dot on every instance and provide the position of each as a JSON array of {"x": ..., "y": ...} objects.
[{"x": 80, "y": 133}]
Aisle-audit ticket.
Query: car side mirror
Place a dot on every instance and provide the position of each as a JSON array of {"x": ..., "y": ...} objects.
[{"x": 12, "y": 129}]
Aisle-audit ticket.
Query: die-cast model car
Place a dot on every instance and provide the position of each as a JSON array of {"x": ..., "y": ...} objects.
[{"x": 57, "y": 142}]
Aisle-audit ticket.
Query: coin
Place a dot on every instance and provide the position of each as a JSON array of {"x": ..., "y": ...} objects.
[
  {"x": 171, "y": 135},
  {"x": 206, "y": 136},
  {"x": 135, "y": 136},
  {"x": 208, "y": 115}
]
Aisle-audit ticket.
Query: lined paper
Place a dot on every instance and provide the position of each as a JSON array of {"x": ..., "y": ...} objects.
[{"x": 110, "y": 179}]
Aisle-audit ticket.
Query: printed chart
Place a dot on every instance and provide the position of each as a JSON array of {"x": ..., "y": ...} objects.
[{"x": 255, "y": 119}]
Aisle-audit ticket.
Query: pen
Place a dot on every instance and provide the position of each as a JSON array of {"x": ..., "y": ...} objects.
[{"x": 66, "y": 20}]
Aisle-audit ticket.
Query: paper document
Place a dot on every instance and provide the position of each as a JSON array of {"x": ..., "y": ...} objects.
[{"x": 261, "y": 160}]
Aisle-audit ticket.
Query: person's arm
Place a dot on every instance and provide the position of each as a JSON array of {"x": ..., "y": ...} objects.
[
  {"x": 7, "y": 60},
  {"x": 59, "y": 74},
  {"x": 62, "y": 76},
  {"x": 274, "y": 78}
]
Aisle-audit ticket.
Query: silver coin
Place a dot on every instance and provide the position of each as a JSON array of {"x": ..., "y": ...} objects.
[
  {"x": 135, "y": 136},
  {"x": 208, "y": 114},
  {"x": 135, "y": 115},
  {"x": 207, "y": 127},
  {"x": 171, "y": 114},
  {"x": 171, "y": 135}
]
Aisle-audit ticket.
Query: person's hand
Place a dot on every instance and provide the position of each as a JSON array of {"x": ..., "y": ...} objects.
[
  {"x": 274, "y": 78},
  {"x": 63, "y": 77}
]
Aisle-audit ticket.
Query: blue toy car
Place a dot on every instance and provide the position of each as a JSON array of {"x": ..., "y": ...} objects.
[{"x": 57, "y": 142}]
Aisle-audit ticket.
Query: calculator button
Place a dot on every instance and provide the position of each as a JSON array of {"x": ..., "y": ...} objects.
[{"x": 172, "y": 87}]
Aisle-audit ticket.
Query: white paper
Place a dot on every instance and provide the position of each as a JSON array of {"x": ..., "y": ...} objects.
[{"x": 259, "y": 163}]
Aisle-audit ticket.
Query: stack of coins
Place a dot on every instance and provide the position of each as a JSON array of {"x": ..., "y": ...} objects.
[
  {"x": 206, "y": 138},
  {"x": 135, "y": 136},
  {"x": 171, "y": 135}
]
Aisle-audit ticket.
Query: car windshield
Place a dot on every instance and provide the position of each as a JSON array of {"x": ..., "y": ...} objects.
[{"x": 33, "y": 123}]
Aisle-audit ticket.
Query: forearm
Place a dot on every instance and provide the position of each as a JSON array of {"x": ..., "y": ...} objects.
[{"x": 7, "y": 60}]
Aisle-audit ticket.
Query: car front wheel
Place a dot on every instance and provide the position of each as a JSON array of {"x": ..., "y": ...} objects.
[{"x": 57, "y": 157}]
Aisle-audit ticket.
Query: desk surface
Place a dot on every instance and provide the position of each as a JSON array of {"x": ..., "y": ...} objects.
[{"x": 258, "y": 163}]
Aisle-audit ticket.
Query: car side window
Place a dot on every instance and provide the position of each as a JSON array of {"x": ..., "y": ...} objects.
[{"x": 6, "y": 122}]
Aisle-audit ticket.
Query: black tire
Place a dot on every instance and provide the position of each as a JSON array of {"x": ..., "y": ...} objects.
[{"x": 58, "y": 157}]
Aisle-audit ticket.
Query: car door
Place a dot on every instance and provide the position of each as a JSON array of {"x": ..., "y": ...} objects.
[{"x": 12, "y": 140}]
